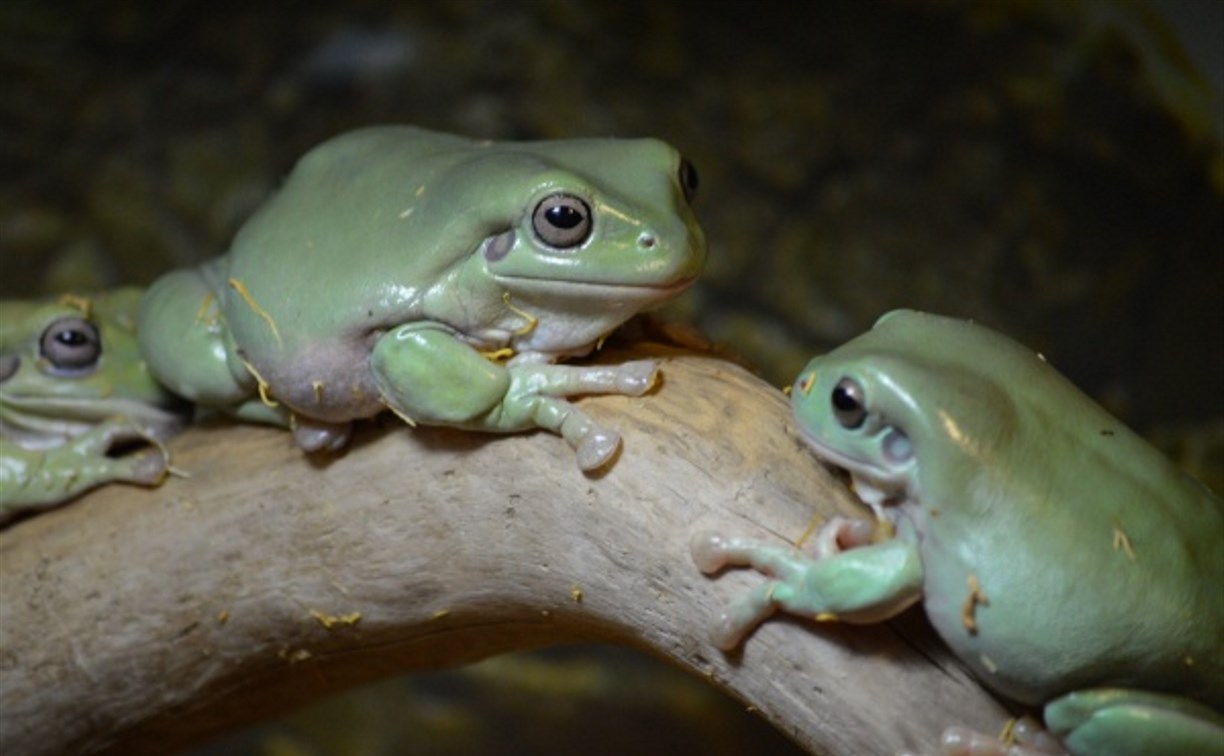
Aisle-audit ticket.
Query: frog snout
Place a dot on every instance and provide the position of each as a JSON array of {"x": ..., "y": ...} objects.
[{"x": 8, "y": 366}]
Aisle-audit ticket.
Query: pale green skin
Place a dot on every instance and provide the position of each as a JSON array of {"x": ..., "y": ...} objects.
[
  {"x": 990, "y": 463},
  {"x": 381, "y": 273},
  {"x": 57, "y": 423}
]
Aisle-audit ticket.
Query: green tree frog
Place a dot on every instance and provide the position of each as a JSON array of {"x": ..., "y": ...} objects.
[
  {"x": 1062, "y": 558},
  {"x": 435, "y": 276},
  {"x": 78, "y": 407}
]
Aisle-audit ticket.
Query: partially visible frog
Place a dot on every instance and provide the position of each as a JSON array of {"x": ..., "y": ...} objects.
[
  {"x": 78, "y": 407},
  {"x": 437, "y": 277},
  {"x": 1058, "y": 554}
]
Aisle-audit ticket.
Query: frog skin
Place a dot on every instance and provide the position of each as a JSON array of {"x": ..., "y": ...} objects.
[
  {"x": 1060, "y": 556},
  {"x": 78, "y": 407},
  {"x": 435, "y": 276}
]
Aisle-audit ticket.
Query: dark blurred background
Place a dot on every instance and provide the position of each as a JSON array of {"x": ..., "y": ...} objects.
[{"x": 1051, "y": 168}]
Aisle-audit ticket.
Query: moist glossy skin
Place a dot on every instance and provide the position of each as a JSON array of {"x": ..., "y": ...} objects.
[
  {"x": 72, "y": 388},
  {"x": 1053, "y": 549},
  {"x": 435, "y": 276}
]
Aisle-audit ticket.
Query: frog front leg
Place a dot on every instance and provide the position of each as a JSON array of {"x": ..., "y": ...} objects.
[
  {"x": 427, "y": 375},
  {"x": 1107, "y": 722},
  {"x": 36, "y": 479},
  {"x": 866, "y": 583}
]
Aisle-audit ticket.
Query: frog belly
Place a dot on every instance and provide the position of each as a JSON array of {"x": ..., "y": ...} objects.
[
  {"x": 1035, "y": 633},
  {"x": 330, "y": 381}
]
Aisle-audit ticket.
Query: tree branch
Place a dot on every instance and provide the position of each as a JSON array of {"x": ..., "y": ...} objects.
[{"x": 134, "y": 620}]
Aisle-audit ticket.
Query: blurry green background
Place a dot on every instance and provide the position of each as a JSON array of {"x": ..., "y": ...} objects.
[{"x": 1051, "y": 168}]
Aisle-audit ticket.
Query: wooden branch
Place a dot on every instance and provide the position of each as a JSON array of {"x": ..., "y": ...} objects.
[{"x": 136, "y": 620}]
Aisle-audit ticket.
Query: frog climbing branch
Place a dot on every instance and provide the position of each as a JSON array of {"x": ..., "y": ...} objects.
[{"x": 266, "y": 580}]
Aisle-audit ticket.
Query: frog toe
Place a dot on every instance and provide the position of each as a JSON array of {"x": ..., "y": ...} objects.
[
  {"x": 313, "y": 436},
  {"x": 1029, "y": 738},
  {"x": 597, "y": 448},
  {"x": 637, "y": 377},
  {"x": 726, "y": 633},
  {"x": 709, "y": 552},
  {"x": 147, "y": 467}
]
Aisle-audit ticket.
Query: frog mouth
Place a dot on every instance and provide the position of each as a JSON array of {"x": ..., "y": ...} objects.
[
  {"x": 552, "y": 288},
  {"x": 885, "y": 481},
  {"x": 37, "y": 422}
]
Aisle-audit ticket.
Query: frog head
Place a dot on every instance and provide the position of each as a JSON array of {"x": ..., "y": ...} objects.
[
  {"x": 908, "y": 405},
  {"x": 70, "y": 363},
  {"x": 574, "y": 237}
]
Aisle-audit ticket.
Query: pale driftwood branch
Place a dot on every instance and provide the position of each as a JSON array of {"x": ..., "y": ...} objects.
[{"x": 133, "y": 620}]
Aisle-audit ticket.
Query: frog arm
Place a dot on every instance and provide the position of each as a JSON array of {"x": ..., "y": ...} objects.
[
  {"x": 38, "y": 479},
  {"x": 1102, "y": 722},
  {"x": 1124, "y": 722},
  {"x": 862, "y": 584},
  {"x": 427, "y": 375}
]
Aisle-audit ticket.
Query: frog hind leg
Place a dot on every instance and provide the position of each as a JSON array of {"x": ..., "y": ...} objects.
[
  {"x": 426, "y": 375},
  {"x": 1121, "y": 722},
  {"x": 185, "y": 341}
]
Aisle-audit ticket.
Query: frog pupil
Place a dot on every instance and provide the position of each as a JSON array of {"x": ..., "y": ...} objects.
[
  {"x": 71, "y": 338},
  {"x": 562, "y": 216},
  {"x": 848, "y": 407}
]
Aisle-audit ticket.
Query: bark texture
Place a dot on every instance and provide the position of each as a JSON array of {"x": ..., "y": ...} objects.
[{"x": 134, "y": 620}]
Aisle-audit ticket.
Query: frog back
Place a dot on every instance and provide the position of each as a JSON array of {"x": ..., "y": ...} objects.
[
  {"x": 1097, "y": 560},
  {"x": 338, "y": 248}
]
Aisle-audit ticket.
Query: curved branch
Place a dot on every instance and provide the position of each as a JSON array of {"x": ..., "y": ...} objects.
[{"x": 134, "y": 620}]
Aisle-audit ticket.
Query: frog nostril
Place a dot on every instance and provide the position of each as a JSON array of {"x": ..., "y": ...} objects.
[
  {"x": 8, "y": 366},
  {"x": 646, "y": 241}
]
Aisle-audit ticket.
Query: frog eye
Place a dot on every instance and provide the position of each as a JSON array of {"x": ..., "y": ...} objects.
[
  {"x": 847, "y": 399},
  {"x": 71, "y": 344},
  {"x": 562, "y": 221},
  {"x": 688, "y": 180}
]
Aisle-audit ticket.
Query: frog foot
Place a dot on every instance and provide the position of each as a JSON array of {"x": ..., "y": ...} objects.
[
  {"x": 117, "y": 451},
  {"x": 1026, "y": 737},
  {"x": 712, "y": 552},
  {"x": 315, "y": 435},
  {"x": 594, "y": 445},
  {"x": 841, "y": 533}
]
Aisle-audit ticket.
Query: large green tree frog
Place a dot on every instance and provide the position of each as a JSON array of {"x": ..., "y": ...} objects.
[
  {"x": 78, "y": 407},
  {"x": 437, "y": 277},
  {"x": 1062, "y": 558}
]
